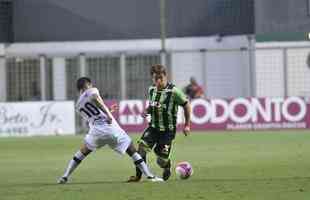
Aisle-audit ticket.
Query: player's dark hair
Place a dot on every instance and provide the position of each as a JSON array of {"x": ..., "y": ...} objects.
[
  {"x": 158, "y": 69},
  {"x": 81, "y": 82}
]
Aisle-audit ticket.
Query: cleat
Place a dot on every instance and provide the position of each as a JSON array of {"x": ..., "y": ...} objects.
[
  {"x": 133, "y": 179},
  {"x": 62, "y": 180},
  {"x": 166, "y": 174},
  {"x": 155, "y": 179}
]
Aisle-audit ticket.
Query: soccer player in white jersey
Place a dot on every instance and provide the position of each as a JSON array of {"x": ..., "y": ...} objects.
[{"x": 103, "y": 130}]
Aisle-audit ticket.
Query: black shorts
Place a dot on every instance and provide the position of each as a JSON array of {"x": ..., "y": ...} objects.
[{"x": 160, "y": 141}]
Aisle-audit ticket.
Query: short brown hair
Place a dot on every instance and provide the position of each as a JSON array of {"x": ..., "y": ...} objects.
[
  {"x": 82, "y": 82},
  {"x": 158, "y": 69}
]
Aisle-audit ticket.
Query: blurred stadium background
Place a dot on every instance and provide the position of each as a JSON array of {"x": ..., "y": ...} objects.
[
  {"x": 236, "y": 49},
  {"x": 233, "y": 48}
]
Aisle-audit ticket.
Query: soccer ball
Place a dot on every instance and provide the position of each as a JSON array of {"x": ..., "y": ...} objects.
[
  {"x": 58, "y": 131},
  {"x": 184, "y": 170}
]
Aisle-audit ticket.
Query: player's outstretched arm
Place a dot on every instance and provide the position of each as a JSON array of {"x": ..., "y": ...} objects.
[
  {"x": 100, "y": 103},
  {"x": 187, "y": 116}
]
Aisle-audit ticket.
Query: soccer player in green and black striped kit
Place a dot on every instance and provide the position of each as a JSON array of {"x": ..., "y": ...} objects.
[{"x": 164, "y": 100}]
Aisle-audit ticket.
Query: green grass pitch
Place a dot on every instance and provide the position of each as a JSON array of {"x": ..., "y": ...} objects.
[{"x": 228, "y": 165}]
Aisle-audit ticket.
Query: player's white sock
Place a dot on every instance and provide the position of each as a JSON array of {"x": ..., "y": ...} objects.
[
  {"x": 77, "y": 159},
  {"x": 139, "y": 162}
]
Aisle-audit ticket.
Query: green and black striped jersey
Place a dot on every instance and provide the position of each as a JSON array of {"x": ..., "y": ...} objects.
[{"x": 163, "y": 106}]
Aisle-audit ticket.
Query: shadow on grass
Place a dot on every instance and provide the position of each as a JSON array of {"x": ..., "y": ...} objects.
[
  {"x": 50, "y": 184},
  {"x": 242, "y": 179},
  {"x": 38, "y": 184}
]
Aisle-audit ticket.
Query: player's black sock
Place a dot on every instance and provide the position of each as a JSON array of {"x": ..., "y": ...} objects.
[
  {"x": 167, "y": 171},
  {"x": 168, "y": 164}
]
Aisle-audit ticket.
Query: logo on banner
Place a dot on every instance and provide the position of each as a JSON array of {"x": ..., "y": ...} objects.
[
  {"x": 130, "y": 112},
  {"x": 254, "y": 110}
]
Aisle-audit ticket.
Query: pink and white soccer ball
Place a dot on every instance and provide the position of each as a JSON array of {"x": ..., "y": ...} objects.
[{"x": 184, "y": 170}]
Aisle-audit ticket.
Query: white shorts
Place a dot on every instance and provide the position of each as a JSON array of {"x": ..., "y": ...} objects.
[{"x": 110, "y": 134}]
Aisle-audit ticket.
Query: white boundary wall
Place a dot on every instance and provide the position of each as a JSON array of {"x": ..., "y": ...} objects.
[
  {"x": 219, "y": 64},
  {"x": 205, "y": 58},
  {"x": 282, "y": 69},
  {"x": 2, "y": 73},
  {"x": 128, "y": 46}
]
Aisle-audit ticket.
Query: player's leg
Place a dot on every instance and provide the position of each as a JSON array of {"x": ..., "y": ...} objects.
[
  {"x": 74, "y": 163},
  {"x": 90, "y": 144},
  {"x": 162, "y": 150},
  {"x": 138, "y": 161},
  {"x": 146, "y": 143},
  {"x": 119, "y": 141},
  {"x": 125, "y": 144},
  {"x": 165, "y": 164},
  {"x": 138, "y": 176}
]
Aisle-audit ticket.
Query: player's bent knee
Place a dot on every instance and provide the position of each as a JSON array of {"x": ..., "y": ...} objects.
[
  {"x": 142, "y": 149},
  {"x": 144, "y": 146},
  {"x": 131, "y": 150},
  {"x": 84, "y": 150}
]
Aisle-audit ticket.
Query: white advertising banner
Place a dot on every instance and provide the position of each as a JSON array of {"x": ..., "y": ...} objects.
[{"x": 37, "y": 118}]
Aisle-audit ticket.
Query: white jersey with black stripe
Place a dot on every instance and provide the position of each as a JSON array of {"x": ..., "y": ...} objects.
[{"x": 88, "y": 110}]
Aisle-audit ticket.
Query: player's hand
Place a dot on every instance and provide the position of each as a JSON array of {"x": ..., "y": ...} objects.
[
  {"x": 186, "y": 130},
  {"x": 114, "y": 108},
  {"x": 144, "y": 114}
]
